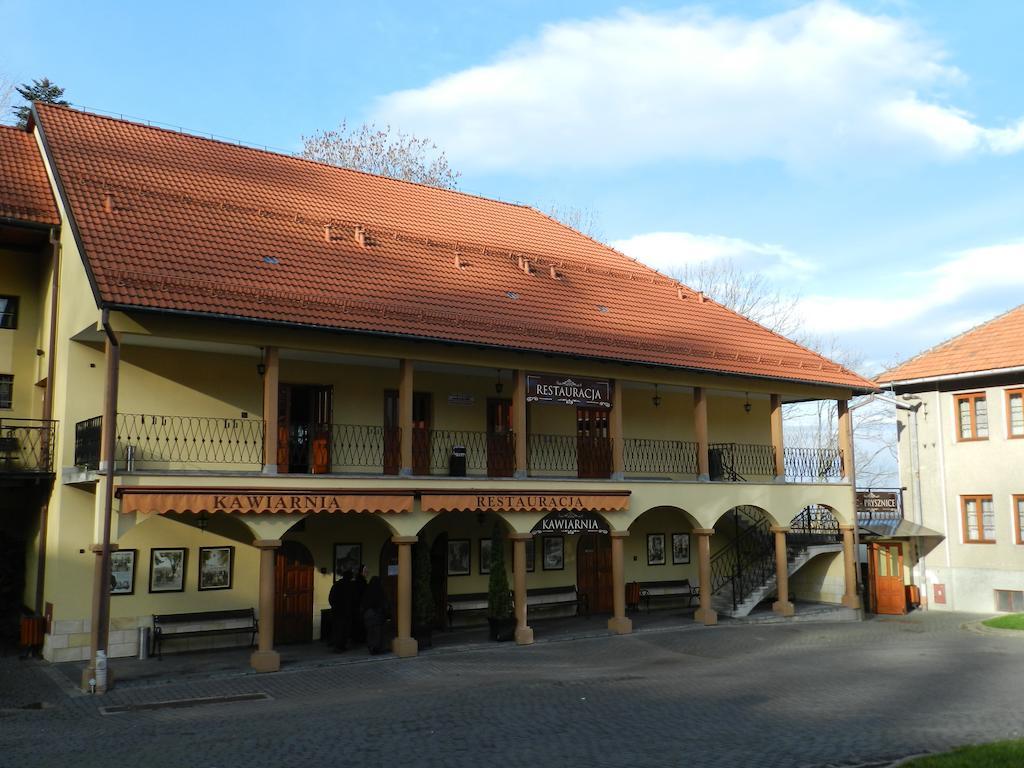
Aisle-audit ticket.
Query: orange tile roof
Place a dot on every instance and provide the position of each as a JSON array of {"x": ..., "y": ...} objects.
[
  {"x": 994, "y": 345},
  {"x": 25, "y": 193},
  {"x": 203, "y": 226}
]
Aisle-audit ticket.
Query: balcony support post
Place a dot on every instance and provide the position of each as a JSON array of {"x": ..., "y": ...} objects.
[
  {"x": 265, "y": 658},
  {"x": 705, "y": 614},
  {"x": 615, "y": 431},
  {"x": 778, "y": 442},
  {"x": 845, "y": 439},
  {"x": 405, "y": 389},
  {"x": 782, "y": 606},
  {"x": 404, "y": 644},
  {"x": 619, "y": 623},
  {"x": 851, "y": 598},
  {"x": 519, "y": 424},
  {"x": 271, "y": 380},
  {"x": 524, "y": 633},
  {"x": 700, "y": 431}
]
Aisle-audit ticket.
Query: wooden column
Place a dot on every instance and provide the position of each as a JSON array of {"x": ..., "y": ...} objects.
[
  {"x": 846, "y": 439},
  {"x": 778, "y": 442},
  {"x": 524, "y": 633},
  {"x": 615, "y": 431},
  {"x": 405, "y": 390},
  {"x": 271, "y": 382},
  {"x": 265, "y": 658},
  {"x": 850, "y": 599},
  {"x": 519, "y": 423},
  {"x": 782, "y": 606},
  {"x": 619, "y": 623},
  {"x": 705, "y": 613},
  {"x": 404, "y": 645},
  {"x": 700, "y": 432}
]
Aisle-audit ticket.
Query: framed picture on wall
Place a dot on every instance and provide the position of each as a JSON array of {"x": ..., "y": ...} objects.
[
  {"x": 167, "y": 569},
  {"x": 122, "y": 572},
  {"x": 485, "y": 556},
  {"x": 347, "y": 557},
  {"x": 215, "y": 567},
  {"x": 680, "y": 548},
  {"x": 458, "y": 557},
  {"x": 553, "y": 553},
  {"x": 655, "y": 548}
]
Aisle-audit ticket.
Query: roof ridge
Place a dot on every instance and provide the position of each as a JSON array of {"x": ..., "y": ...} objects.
[
  {"x": 953, "y": 339},
  {"x": 265, "y": 150}
]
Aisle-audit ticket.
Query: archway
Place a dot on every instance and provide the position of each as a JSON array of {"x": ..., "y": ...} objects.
[
  {"x": 661, "y": 568},
  {"x": 742, "y": 559}
]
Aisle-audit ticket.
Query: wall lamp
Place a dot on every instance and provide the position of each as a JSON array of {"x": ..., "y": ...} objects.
[
  {"x": 747, "y": 406},
  {"x": 657, "y": 398}
]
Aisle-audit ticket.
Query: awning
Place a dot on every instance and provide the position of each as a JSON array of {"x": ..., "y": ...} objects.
[
  {"x": 525, "y": 501},
  {"x": 158, "y": 501},
  {"x": 896, "y": 529}
]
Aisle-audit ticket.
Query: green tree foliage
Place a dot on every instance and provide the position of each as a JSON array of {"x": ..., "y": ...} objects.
[
  {"x": 499, "y": 601},
  {"x": 38, "y": 90}
]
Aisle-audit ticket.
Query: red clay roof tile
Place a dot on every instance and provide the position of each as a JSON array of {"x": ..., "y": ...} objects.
[
  {"x": 202, "y": 226},
  {"x": 25, "y": 193}
]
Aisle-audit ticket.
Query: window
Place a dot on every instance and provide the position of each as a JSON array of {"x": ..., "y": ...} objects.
[
  {"x": 1009, "y": 600},
  {"x": 8, "y": 312},
  {"x": 979, "y": 519},
  {"x": 1015, "y": 413},
  {"x": 1018, "y": 517},
  {"x": 972, "y": 417},
  {"x": 6, "y": 391}
]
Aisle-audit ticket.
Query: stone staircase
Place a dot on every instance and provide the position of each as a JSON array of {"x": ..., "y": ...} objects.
[{"x": 798, "y": 557}]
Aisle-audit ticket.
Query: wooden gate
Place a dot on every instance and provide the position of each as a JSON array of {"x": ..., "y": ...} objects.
[
  {"x": 594, "y": 571},
  {"x": 885, "y": 567},
  {"x": 293, "y": 594}
]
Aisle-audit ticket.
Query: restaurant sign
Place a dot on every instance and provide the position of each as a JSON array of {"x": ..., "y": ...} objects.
[
  {"x": 545, "y": 388},
  {"x": 570, "y": 522},
  {"x": 879, "y": 505}
]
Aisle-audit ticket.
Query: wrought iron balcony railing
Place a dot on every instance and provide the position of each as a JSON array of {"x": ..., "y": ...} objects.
[
  {"x": 26, "y": 446},
  {"x": 589, "y": 457},
  {"x": 493, "y": 455},
  {"x": 740, "y": 461},
  {"x": 660, "y": 457},
  {"x": 813, "y": 464}
]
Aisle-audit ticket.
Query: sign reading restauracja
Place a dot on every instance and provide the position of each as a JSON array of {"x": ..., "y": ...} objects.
[{"x": 545, "y": 388}]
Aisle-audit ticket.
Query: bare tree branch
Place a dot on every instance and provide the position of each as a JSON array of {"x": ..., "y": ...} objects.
[{"x": 585, "y": 220}]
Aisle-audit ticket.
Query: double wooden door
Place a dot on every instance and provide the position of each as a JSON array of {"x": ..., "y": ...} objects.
[
  {"x": 593, "y": 446},
  {"x": 304, "y": 428},
  {"x": 885, "y": 569},
  {"x": 293, "y": 594},
  {"x": 501, "y": 449},
  {"x": 594, "y": 571},
  {"x": 422, "y": 405}
]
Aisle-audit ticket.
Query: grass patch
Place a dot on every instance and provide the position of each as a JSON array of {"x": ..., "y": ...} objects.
[
  {"x": 1000, "y": 754},
  {"x": 1013, "y": 621}
]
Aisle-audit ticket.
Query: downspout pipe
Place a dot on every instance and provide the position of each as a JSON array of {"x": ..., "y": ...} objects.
[
  {"x": 107, "y": 460},
  {"x": 44, "y": 510}
]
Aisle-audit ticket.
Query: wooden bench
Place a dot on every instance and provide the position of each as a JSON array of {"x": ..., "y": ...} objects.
[
  {"x": 173, "y": 626},
  {"x": 668, "y": 590},
  {"x": 475, "y": 602},
  {"x": 553, "y": 597}
]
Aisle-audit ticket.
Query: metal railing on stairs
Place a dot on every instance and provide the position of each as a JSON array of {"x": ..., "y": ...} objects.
[{"x": 748, "y": 560}]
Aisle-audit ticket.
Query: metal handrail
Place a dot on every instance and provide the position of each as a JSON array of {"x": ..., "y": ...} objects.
[
  {"x": 670, "y": 457},
  {"x": 804, "y": 464},
  {"x": 747, "y": 561},
  {"x": 26, "y": 445}
]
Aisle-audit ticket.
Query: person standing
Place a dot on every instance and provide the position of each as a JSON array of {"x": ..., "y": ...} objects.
[
  {"x": 375, "y": 609},
  {"x": 341, "y": 599},
  {"x": 359, "y": 589}
]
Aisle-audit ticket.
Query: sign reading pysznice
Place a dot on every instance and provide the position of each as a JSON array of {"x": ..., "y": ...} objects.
[{"x": 544, "y": 388}]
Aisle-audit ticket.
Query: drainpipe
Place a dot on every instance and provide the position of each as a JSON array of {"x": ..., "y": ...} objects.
[
  {"x": 44, "y": 509},
  {"x": 915, "y": 474}
]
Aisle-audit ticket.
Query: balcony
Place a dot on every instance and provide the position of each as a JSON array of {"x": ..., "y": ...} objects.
[
  {"x": 26, "y": 446},
  {"x": 164, "y": 443}
]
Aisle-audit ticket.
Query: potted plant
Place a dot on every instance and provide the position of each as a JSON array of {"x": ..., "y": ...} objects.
[
  {"x": 422, "y": 595},
  {"x": 499, "y": 600}
]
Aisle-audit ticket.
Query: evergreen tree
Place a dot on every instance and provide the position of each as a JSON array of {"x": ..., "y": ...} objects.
[
  {"x": 38, "y": 90},
  {"x": 499, "y": 601}
]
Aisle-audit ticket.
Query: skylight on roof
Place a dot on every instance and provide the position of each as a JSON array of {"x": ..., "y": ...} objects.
[
  {"x": 602, "y": 308},
  {"x": 271, "y": 260},
  {"x": 512, "y": 295}
]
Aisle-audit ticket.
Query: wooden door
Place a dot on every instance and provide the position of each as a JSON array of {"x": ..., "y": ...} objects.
[
  {"x": 421, "y": 412},
  {"x": 439, "y": 578},
  {"x": 293, "y": 594},
  {"x": 593, "y": 448},
  {"x": 284, "y": 410},
  {"x": 392, "y": 433},
  {"x": 501, "y": 459},
  {"x": 886, "y": 566},
  {"x": 389, "y": 573},
  {"x": 322, "y": 399},
  {"x": 594, "y": 571}
]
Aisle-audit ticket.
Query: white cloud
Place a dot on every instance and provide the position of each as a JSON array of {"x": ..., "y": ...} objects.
[
  {"x": 669, "y": 252},
  {"x": 817, "y": 82}
]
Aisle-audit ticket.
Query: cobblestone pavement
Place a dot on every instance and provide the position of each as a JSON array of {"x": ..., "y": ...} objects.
[{"x": 837, "y": 694}]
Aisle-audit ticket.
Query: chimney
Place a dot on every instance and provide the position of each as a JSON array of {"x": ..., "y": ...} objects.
[
  {"x": 360, "y": 235},
  {"x": 700, "y": 297}
]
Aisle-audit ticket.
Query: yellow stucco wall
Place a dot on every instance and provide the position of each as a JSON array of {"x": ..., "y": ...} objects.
[{"x": 21, "y": 275}]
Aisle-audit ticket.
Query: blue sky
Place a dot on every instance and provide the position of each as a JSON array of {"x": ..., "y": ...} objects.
[{"x": 867, "y": 155}]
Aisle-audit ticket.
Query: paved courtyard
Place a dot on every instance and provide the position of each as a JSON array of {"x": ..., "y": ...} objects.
[{"x": 831, "y": 694}]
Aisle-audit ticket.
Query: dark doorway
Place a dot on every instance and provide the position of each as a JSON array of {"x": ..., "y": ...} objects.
[
  {"x": 293, "y": 594},
  {"x": 389, "y": 573},
  {"x": 304, "y": 428},
  {"x": 501, "y": 459},
  {"x": 422, "y": 406},
  {"x": 439, "y": 578},
  {"x": 593, "y": 446},
  {"x": 594, "y": 571}
]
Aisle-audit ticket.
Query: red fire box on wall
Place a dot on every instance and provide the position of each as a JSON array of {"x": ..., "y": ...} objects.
[{"x": 939, "y": 592}]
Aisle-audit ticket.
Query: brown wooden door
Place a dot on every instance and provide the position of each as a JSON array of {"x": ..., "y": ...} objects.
[
  {"x": 389, "y": 572},
  {"x": 593, "y": 447},
  {"x": 594, "y": 571},
  {"x": 304, "y": 428},
  {"x": 293, "y": 594},
  {"x": 284, "y": 411},
  {"x": 322, "y": 411},
  {"x": 421, "y": 412},
  {"x": 501, "y": 459},
  {"x": 392, "y": 433},
  {"x": 886, "y": 567}
]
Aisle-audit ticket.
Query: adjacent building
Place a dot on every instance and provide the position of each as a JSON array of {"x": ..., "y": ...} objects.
[
  {"x": 240, "y": 373},
  {"x": 961, "y": 451}
]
